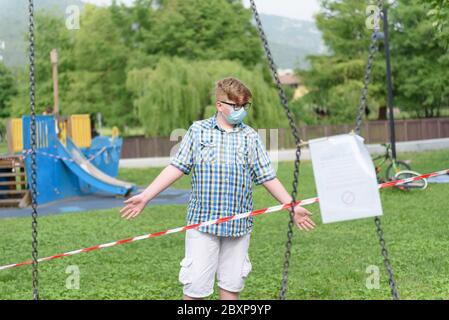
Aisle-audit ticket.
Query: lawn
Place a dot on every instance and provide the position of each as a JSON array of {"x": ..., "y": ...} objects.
[{"x": 327, "y": 263}]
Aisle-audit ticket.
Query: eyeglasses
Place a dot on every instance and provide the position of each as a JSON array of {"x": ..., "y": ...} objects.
[{"x": 245, "y": 106}]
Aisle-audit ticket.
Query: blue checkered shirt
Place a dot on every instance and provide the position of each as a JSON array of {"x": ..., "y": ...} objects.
[{"x": 224, "y": 166}]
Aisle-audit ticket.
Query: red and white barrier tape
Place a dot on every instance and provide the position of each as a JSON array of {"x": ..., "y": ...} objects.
[
  {"x": 46, "y": 154},
  {"x": 27, "y": 152},
  {"x": 217, "y": 221}
]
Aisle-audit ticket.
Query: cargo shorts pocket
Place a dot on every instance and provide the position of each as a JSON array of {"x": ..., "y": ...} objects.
[
  {"x": 185, "y": 272},
  {"x": 247, "y": 267}
]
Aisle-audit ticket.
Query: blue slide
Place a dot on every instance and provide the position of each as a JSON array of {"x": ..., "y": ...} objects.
[{"x": 75, "y": 160}]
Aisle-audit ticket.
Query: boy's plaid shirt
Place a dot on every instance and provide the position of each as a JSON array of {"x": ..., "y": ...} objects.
[{"x": 224, "y": 166}]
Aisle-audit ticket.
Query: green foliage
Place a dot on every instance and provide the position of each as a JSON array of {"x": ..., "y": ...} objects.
[
  {"x": 102, "y": 64},
  {"x": 97, "y": 82},
  {"x": 293, "y": 39},
  {"x": 419, "y": 63},
  {"x": 2, "y": 132},
  {"x": 14, "y": 26},
  {"x": 343, "y": 26},
  {"x": 439, "y": 14},
  {"x": 201, "y": 29},
  {"x": 8, "y": 90},
  {"x": 335, "y": 80},
  {"x": 178, "y": 92},
  {"x": 50, "y": 33},
  {"x": 92, "y": 63},
  {"x": 420, "y": 66}
]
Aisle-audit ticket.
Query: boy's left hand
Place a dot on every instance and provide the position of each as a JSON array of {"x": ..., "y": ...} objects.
[{"x": 302, "y": 219}]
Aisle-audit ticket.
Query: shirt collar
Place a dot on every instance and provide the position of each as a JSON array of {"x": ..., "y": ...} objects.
[{"x": 215, "y": 124}]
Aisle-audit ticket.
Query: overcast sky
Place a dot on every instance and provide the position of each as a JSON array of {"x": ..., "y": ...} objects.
[{"x": 298, "y": 9}]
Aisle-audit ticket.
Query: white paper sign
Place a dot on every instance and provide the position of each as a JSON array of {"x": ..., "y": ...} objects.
[{"x": 345, "y": 178}]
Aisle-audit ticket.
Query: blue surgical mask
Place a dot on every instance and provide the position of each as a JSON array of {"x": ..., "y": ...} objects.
[{"x": 236, "y": 116}]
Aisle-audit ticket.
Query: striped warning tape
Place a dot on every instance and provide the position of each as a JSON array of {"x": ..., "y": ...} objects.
[
  {"x": 216, "y": 221},
  {"x": 46, "y": 154},
  {"x": 27, "y": 152}
]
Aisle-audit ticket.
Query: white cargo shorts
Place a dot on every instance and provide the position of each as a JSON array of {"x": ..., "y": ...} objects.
[{"x": 207, "y": 255}]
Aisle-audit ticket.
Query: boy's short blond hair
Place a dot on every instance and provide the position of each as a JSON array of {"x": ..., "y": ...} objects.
[{"x": 233, "y": 89}]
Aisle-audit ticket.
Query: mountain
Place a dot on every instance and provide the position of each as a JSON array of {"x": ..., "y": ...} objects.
[
  {"x": 14, "y": 26},
  {"x": 290, "y": 40}
]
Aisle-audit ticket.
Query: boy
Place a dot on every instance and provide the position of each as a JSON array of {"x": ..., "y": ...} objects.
[{"x": 225, "y": 157}]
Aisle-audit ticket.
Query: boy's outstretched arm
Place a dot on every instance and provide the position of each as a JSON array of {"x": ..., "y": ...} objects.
[
  {"x": 302, "y": 216},
  {"x": 135, "y": 205}
]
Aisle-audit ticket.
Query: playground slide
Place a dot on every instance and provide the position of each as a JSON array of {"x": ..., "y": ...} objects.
[{"x": 89, "y": 174}]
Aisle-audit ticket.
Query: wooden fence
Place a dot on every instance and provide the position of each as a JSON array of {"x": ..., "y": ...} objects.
[{"x": 372, "y": 131}]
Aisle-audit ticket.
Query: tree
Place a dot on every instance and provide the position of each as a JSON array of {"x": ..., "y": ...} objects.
[
  {"x": 439, "y": 12},
  {"x": 50, "y": 33},
  {"x": 92, "y": 67},
  {"x": 103, "y": 63},
  {"x": 335, "y": 80},
  {"x": 97, "y": 83},
  {"x": 8, "y": 90},
  {"x": 203, "y": 29},
  {"x": 421, "y": 65},
  {"x": 178, "y": 92}
]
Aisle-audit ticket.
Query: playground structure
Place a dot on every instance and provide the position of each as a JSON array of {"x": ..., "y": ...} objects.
[
  {"x": 70, "y": 162},
  {"x": 67, "y": 151}
]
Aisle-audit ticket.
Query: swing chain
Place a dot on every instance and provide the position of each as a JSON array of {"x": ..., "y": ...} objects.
[
  {"x": 366, "y": 81},
  {"x": 360, "y": 113},
  {"x": 294, "y": 130},
  {"x": 34, "y": 214},
  {"x": 391, "y": 282}
]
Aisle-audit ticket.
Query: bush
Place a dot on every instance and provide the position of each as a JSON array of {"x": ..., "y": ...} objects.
[{"x": 2, "y": 130}]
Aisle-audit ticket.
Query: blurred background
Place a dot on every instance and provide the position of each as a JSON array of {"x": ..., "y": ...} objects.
[{"x": 149, "y": 67}]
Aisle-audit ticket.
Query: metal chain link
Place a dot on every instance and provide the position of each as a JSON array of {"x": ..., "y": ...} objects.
[
  {"x": 366, "y": 80},
  {"x": 387, "y": 264},
  {"x": 360, "y": 113},
  {"x": 34, "y": 214},
  {"x": 294, "y": 130}
]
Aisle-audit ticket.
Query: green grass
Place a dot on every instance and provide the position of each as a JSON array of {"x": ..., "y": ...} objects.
[{"x": 328, "y": 263}]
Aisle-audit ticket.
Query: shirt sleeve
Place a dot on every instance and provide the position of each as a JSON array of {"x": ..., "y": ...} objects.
[
  {"x": 183, "y": 159},
  {"x": 261, "y": 166}
]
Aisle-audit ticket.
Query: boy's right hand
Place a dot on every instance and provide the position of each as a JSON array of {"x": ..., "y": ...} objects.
[{"x": 134, "y": 206}]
